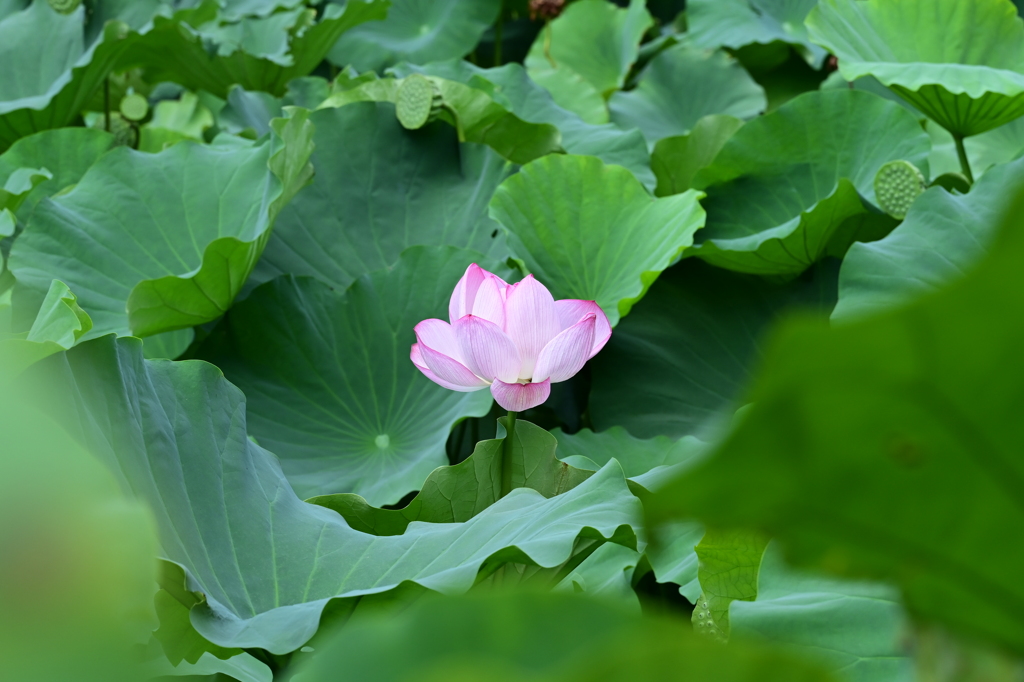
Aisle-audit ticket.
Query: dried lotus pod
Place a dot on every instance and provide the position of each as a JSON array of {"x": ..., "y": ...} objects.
[
  {"x": 897, "y": 185},
  {"x": 418, "y": 102},
  {"x": 65, "y": 6}
]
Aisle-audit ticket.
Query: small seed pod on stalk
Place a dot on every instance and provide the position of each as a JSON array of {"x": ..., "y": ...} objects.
[{"x": 418, "y": 103}]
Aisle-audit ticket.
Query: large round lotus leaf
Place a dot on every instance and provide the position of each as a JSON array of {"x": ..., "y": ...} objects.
[
  {"x": 258, "y": 52},
  {"x": 590, "y": 231},
  {"x": 417, "y": 31},
  {"x": 265, "y": 563},
  {"x": 45, "y": 83},
  {"x": 174, "y": 249},
  {"x": 961, "y": 63},
  {"x": 861, "y": 434},
  {"x": 798, "y": 184},
  {"x": 685, "y": 352},
  {"x": 682, "y": 85},
  {"x": 942, "y": 237},
  {"x": 371, "y": 176},
  {"x": 375, "y": 427},
  {"x": 511, "y": 87},
  {"x": 584, "y": 55},
  {"x": 738, "y": 23}
]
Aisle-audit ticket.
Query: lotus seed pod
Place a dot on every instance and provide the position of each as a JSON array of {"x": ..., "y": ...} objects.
[
  {"x": 65, "y": 6},
  {"x": 419, "y": 101},
  {"x": 134, "y": 107},
  {"x": 952, "y": 181},
  {"x": 897, "y": 185}
]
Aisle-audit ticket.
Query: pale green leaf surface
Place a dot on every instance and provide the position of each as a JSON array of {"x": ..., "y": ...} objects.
[
  {"x": 860, "y": 435},
  {"x": 375, "y": 427},
  {"x": 343, "y": 226},
  {"x": 961, "y": 63},
  {"x": 606, "y": 573},
  {"x": 242, "y": 667},
  {"x": 941, "y": 238},
  {"x": 684, "y": 354},
  {"x": 672, "y": 556},
  {"x": 738, "y": 23},
  {"x": 682, "y": 85},
  {"x": 267, "y": 562},
  {"x": 453, "y": 494},
  {"x": 797, "y": 184},
  {"x": 510, "y": 86},
  {"x": 131, "y": 263},
  {"x": 584, "y": 55},
  {"x": 677, "y": 160},
  {"x": 593, "y": 232},
  {"x": 417, "y": 31},
  {"x": 729, "y": 563},
  {"x": 57, "y": 326}
]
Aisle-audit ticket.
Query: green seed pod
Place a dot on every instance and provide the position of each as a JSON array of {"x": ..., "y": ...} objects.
[
  {"x": 134, "y": 107},
  {"x": 897, "y": 185},
  {"x": 65, "y": 6},
  {"x": 419, "y": 101}
]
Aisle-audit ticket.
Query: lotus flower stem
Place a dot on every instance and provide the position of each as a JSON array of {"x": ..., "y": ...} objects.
[
  {"x": 506, "y": 454},
  {"x": 965, "y": 164},
  {"x": 106, "y": 103}
]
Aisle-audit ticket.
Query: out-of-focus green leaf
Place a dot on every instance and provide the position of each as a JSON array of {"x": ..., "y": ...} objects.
[
  {"x": 682, "y": 357},
  {"x": 50, "y": 68},
  {"x": 512, "y": 88},
  {"x": 175, "y": 248},
  {"x": 78, "y": 568},
  {"x": 417, "y": 31},
  {"x": 677, "y": 160},
  {"x": 242, "y": 667},
  {"x": 257, "y": 53},
  {"x": 729, "y": 562},
  {"x": 584, "y": 55},
  {"x": 474, "y": 113},
  {"x": 591, "y": 231},
  {"x": 606, "y": 573},
  {"x": 645, "y": 462},
  {"x": 174, "y": 121},
  {"x": 861, "y": 435},
  {"x": 681, "y": 86},
  {"x": 453, "y": 494},
  {"x": 738, "y": 23},
  {"x": 672, "y": 557},
  {"x": 941, "y": 238},
  {"x": 266, "y": 563},
  {"x": 178, "y": 640},
  {"x": 523, "y": 636},
  {"x": 796, "y": 185},
  {"x": 59, "y": 324},
  {"x": 343, "y": 226},
  {"x": 168, "y": 345},
  {"x": 858, "y": 629},
  {"x": 961, "y": 63},
  {"x": 376, "y": 427}
]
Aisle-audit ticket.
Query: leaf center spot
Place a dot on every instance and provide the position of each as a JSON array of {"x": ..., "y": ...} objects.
[{"x": 382, "y": 441}]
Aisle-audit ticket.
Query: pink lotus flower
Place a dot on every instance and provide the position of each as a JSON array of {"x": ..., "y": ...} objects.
[{"x": 515, "y": 338}]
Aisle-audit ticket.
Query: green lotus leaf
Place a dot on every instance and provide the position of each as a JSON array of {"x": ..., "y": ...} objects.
[
  {"x": 682, "y": 357},
  {"x": 681, "y": 86},
  {"x": 729, "y": 562},
  {"x": 858, "y": 629},
  {"x": 343, "y": 225},
  {"x": 519, "y": 636},
  {"x": 584, "y": 55},
  {"x": 232, "y": 10},
  {"x": 131, "y": 262},
  {"x": 44, "y": 86},
  {"x": 738, "y": 23},
  {"x": 453, "y": 494},
  {"x": 591, "y": 231},
  {"x": 512, "y": 88},
  {"x": 993, "y": 148},
  {"x": 175, "y": 121},
  {"x": 375, "y": 428},
  {"x": 60, "y": 323},
  {"x": 677, "y": 160},
  {"x": 797, "y": 184},
  {"x": 942, "y": 236},
  {"x": 266, "y": 564},
  {"x": 417, "y": 31},
  {"x": 645, "y": 462},
  {"x": 243, "y": 668},
  {"x": 960, "y": 63},
  {"x": 213, "y": 53},
  {"x": 475, "y": 115},
  {"x": 860, "y": 435},
  {"x": 671, "y": 556}
]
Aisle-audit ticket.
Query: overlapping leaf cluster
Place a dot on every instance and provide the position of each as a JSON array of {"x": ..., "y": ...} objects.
[{"x": 220, "y": 221}]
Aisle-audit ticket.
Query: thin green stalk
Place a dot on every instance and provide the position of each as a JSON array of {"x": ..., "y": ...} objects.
[
  {"x": 965, "y": 164},
  {"x": 497, "y": 37},
  {"x": 106, "y": 103},
  {"x": 506, "y": 454}
]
